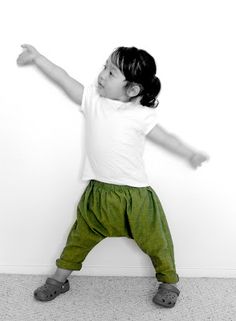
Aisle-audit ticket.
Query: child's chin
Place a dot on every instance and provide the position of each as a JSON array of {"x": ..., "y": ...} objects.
[{"x": 102, "y": 94}]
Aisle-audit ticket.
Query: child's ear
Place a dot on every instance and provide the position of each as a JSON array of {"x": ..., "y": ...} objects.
[{"x": 133, "y": 90}]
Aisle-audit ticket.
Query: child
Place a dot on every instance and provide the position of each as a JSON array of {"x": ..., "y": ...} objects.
[{"x": 119, "y": 110}]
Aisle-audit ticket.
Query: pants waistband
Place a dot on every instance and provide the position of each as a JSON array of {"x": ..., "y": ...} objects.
[{"x": 114, "y": 187}]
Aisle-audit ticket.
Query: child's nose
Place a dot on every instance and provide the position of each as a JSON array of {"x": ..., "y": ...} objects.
[{"x": 102, "y": 75}]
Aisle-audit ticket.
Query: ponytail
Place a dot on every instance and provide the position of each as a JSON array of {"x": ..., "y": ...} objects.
[{"x": 150, "y": 92}]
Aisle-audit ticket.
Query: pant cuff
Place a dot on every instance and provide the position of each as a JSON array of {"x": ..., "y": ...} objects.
[
  {"x": 62, "y": 264},
  {"x": 170, "y": 278}
]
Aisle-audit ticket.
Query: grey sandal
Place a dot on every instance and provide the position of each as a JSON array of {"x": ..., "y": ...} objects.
[
  {"x": 166, "y": 295},
  {"x": 51, "y": 289}
]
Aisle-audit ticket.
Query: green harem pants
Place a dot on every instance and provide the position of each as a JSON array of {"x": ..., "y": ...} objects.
[{"x": 109, "y": 210}]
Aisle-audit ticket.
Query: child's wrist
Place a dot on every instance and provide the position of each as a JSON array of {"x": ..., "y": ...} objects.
[
  {"x": 191, "y": 155},
  {"x": 36, "y": 57}
]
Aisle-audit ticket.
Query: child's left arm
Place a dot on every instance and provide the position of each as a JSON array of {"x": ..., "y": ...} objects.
[{"x": 169, "y": 141}]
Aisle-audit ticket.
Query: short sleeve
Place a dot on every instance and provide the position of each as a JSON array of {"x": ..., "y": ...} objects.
[
  {"x": 88, "y": 94},
  {"x": 150, "y": 120},
  {"x": 82, "y": 107}
]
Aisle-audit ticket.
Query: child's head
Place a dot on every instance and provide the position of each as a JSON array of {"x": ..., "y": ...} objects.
[{"x": 129, "y": 74}]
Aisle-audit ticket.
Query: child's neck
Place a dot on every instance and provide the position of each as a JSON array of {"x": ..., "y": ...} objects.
[{"x": 133, "y": 100}]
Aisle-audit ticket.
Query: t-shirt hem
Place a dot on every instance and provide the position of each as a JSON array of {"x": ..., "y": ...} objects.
[{"x": 129, "y": 183}]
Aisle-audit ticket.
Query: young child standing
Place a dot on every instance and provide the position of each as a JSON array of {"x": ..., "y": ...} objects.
[{"x": 119, "y": 110}]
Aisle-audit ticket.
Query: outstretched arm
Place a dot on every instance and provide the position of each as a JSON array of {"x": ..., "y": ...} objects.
[
  {"x": 72, "y": 87},
  {"x": 169, "y": 141}
]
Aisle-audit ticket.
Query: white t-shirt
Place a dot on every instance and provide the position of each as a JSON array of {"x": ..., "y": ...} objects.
[{"x": 115, "y": 138}]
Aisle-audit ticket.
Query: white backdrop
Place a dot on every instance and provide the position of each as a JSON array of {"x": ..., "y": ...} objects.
[{"x": 42, "y": 131}]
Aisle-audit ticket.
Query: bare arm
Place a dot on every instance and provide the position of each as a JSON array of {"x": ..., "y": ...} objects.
[
  {"x": 72, "y": 87},
  {"x": 169, "y": 141}
]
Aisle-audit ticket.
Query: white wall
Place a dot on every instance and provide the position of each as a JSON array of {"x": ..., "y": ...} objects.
[{"x": 42, "y": 131}]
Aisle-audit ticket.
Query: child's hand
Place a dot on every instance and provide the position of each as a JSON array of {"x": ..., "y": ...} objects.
[
  {"x": 27, "y": 56},
  {"x": 197, "y": 159}
]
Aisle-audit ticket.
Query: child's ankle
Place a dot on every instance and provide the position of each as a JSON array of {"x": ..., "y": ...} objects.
[
  {"x": 61, "y": 275},
  {"x": 59, "y": 279}
]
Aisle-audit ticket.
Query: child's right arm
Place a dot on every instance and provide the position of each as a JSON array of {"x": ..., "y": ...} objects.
[
  {"x": 171, "y": 142},
  {"x": 72, "y": 87}
]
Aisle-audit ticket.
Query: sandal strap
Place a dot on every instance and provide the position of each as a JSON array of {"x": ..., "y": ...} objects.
[
  {"x": 54, "y": 282},
  {"x": 169, "y": 287}
]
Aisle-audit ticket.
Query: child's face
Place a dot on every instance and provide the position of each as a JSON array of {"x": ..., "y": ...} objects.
[{"x": 111, "y": 83}]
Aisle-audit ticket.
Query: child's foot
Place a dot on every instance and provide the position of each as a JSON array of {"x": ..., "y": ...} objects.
[
  {"x": 166, "y": 295},
  {"x": 51, "y": 289}
]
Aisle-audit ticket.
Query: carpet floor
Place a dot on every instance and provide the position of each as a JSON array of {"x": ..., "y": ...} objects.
[{"x": 117, "y": 298}]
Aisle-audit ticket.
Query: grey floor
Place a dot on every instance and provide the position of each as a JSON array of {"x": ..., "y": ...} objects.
[{"x": 117, "y": 298}]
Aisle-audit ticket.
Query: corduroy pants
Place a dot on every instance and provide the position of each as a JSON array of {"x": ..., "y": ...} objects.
[{"x": 109, "y": 210}]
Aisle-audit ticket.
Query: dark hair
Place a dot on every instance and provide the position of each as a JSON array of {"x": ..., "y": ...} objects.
[{"x": 139, "y": 67}]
